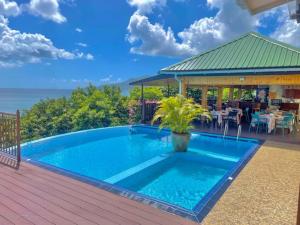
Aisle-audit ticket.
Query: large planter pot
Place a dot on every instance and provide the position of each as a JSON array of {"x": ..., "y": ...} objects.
[{"x": 180, "y": 141}]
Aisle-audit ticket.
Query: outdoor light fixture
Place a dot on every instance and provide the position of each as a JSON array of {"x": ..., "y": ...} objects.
[{"x": 242, "y": 78}]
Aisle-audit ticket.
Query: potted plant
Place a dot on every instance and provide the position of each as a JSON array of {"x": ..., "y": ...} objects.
[{"x": 177, "y": 113}]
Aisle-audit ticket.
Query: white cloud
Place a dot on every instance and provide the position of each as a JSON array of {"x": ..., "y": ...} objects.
[
  {"x": 287, "y": 31},
  {"x": 230, "y": 22},
  {"x": 17, "y": 48},
  {"x": 89, "y": 56},
  {"x": 110, "y": 79},
  {"x": 146, "y": 6},
  {"x": 83, "y": 82},
  {"x": 9, "y": 8},
  {"x": 79, "y": 30},
  {"x": 153, "y": 39},
  {"x": 84, "y": 45},
  {"x": 48, "y": 9},
  {"x": 106, "y": 79}
]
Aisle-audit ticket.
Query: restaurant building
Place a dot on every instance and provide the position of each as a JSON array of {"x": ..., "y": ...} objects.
[{"x": 252, "y": 61}]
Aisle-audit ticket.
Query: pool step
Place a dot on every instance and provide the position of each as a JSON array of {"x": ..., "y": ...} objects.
[
  {"x": 129, "y": 172},
  {"x": 218, "y": 156}
]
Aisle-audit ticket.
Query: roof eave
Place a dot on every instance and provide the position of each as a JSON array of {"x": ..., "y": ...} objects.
[
  {"x": 226, "y": 72},
  {"x": 152, "y": 78}
]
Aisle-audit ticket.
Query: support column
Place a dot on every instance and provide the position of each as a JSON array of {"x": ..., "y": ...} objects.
[
  {"x": 204, "y": 96},
  {"x": 219, "y": 99},
  {"x": 184, "y": 88},
  {"x": 239, "y": 94},
  {"x": 231, "y": 91}
]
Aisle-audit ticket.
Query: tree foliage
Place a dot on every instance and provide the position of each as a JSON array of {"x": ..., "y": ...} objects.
[
  {"x": 150, "y": 93},
  {"x": 88, "y": 108},
  {"x": 85, "y": 109}
]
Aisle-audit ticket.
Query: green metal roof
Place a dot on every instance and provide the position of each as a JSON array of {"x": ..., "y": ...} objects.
[{"x": 251, "y": 51}]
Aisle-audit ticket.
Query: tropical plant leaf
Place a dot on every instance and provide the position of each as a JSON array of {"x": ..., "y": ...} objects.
[{"x": 178, "y": 113}]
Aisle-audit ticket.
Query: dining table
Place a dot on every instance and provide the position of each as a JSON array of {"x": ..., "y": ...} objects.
[
  {"x": 272, "y": 118},
  {"x": 221, "y": 114}
]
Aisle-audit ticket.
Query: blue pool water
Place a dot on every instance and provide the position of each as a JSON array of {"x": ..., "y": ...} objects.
[
  {"x": 140, "y": 159},
  {"x": 178, "y": 180},
  {"x": 104, "y": 158}
]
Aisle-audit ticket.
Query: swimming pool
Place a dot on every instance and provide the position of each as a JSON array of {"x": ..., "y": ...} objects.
[{"x": 138, "y": 162}]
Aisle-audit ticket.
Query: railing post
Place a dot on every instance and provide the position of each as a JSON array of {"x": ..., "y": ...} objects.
[
  {"x": 143, "y": 104},
  {"x": 1, "y": 131},
  {"x": 18, "y": 136}
]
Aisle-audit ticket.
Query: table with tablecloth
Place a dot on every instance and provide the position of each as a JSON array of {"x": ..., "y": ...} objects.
[
  {"x": 271, "y": 121},
  {"x": 220, "y": 115}
]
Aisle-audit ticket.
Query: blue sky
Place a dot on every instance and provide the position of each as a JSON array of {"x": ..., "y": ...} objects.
[{"x": 69, "y": 43}]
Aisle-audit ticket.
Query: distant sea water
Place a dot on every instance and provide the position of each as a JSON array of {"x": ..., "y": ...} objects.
[{"x": 12, "y": 99}]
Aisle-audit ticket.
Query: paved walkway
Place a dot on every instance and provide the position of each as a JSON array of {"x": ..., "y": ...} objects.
[{"x": 265, "y": 192}]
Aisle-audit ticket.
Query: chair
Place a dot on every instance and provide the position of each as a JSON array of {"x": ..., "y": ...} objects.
[
  {"x": 232, "y": 118},
  {"x": 214, "y": 120},
  {"x": 283, "y": 124},
  {"x": 204, "y": 120},
  {"x": 254, "y": 121},
  {"x": 263, "y": 111},
  {"x": 257, "y": 113},
  {"x": 292, "y": 122},
  {"x": 263, "y": 122},
  {"x": 288, "y": 114},
  {"x": 247, "y": 114}
]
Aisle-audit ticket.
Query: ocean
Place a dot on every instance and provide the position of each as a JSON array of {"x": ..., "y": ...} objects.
[{"x": 12, "y": 99}]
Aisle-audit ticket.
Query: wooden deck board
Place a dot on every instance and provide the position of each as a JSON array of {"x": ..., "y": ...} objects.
[
  {"x": 5, "y": 221},
  {"x": 33, "y": 195},
  {"x": 83, "y": 200},
  {"x": 44, "y": 212},
  {"x": 109, "y": 199},
  {"x": 11, "y": 215},
  {"x": 23, "y": 210}
]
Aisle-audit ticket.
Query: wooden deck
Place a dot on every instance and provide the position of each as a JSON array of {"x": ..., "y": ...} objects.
[{"x": 33, "y": 195}]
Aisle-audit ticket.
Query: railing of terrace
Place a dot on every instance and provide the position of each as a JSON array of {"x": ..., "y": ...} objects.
[{"x": 10, "y": 150}]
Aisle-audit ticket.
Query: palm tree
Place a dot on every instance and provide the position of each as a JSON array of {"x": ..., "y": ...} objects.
[{"x": 178, "y": 113}]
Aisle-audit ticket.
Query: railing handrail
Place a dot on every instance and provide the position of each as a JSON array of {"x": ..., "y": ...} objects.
[
  {"x": 8, "y": 114},
  {"x": 10, "y": 140}
]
